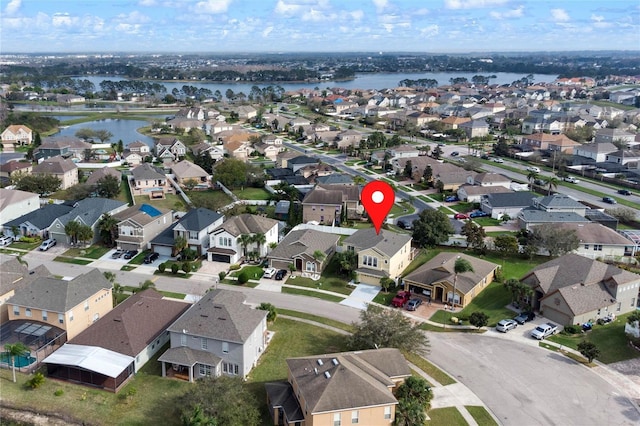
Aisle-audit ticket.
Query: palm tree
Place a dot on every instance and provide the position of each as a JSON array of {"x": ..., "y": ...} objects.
[
  {"x": 531, "y": 177},
  {"x": 460, "y": 267},
  {"x": 108, "y": 228},
  {"x": 259, "y": 239},
  {"x": 179, "y": 244},
  {"x": 553, "y": 184},
  {"x": 244, "y": 240},
  {"x": 13, "y": 351},
  {"x": 319, "y": 256}
]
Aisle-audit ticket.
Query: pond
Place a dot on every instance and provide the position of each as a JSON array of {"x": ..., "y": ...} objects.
[{"x": 125, "y": 130}]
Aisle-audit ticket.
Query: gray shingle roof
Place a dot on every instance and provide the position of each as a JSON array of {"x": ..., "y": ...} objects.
[
  {"x": 90, "y": 210},
  {"x": 198, "y": 219},
  {"x": 441, "y": 268},
  {"x": 387, "y": 242},
  {"x": 55, "y": 295},
  {"x": 101, "y": 173},
  {"x": 15, "y": 275},
  {"x": 557, "y": 201},
  {"x": 148, "y": 172},
  {"x": 247, "y": 224},
  {"x": 54, "y": 166},
  {"x": 220, "y": 315},
  {"x": 304, "y": 241},
  {"x": 43, "y": 217},
  {"x": 510, "y": 199},
  {"x": 133, "y": 324},
  {"x": 533, "y": 215},
  {"x": 353, "y": 380}
]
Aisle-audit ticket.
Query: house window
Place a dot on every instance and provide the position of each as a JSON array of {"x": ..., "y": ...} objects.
[
  {"x": 586, "y": 246},
  {"x": 16, "y": 310},
  {"x": 225, "y": 347},
  {"x": 27, "y": 312},
  {"x": 387, "y": 413},
  {"x": 193, "y": 235},
  {"x": 310, "y": 266},
  {"x": 370, "y": 261},
  {"x": 183, "y": 340},
  {"x": 86, "y": 305},
  {"x": 336, "y": 419},
  {"x": 597, "y": 247},
  {"x": 354, "y": 417},
  {"x": 235, "y": 369},
  {"x": 205, "y": 370},
  {"x": 633, "y": 302},
  {"x": 619, "y": 306},
  {"x": 203, "y": 343},
  {"x": 61, "y": 318},
  {"x": 96, "y": 317},
  {"x": 70, "y": 315},
  {"x": 45, "y": 316}
]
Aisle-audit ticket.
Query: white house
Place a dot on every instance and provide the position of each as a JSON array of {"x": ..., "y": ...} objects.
[
  {"x": 15, "y": 203},
  {"x": 226, "y": 240}
]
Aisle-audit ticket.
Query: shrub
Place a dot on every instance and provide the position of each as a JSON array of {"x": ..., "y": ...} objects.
[
  {"x": 222, "y": 274},
  {"x": 174, "y": 268},
  {"x": 58, "y": 392},
  {"x": 572, "y": 329},
  {"x": 479, "y": 319},
  {"x": 234, "y": 267},
  {"x": 271, "y": 316},
  {"x": 186, "y": 267},
  {"x": 162, "y": 267},
  {"x": 243, "y": 277},
  {"x": 36, "y": 381}
]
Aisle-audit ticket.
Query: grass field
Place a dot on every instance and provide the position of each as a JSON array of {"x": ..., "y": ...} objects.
[
  {"x": 251, "y": 194},
  {"x": 329, "y": 280},
  {"x": 311, "y": 293},
  {"x": 93, "y": 252},
  {"x": 169, "y": 202},
  {"x": 449, "y": 416},
  {"x": 481, "y": 415}
]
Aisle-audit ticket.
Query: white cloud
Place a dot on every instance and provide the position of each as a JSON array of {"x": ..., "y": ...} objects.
[
  {"x": 513, "y": 13},
  {"x": 62, "y": 19},
  {"x": 597, "y": 18},
  {"x": 12, "y": 7},
  {"x": 357, "y": 15},
  {"x": 559, "y": 15},
  {"x": 430, "y": 31},
  {"x": 388, "y": 27},
  {"x": 380, "y": 5},
  {"x": 148, "y": 2},
  {"x": 212, "y": 6},
  {"x": 133, "y": 17},
  {"x": 267, "y": 31},
  {"x": 472, "y": 4}
]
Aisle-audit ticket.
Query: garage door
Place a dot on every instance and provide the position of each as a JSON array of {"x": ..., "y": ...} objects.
[
  {"x": 219, "y": 258},
  {"x": 161, "y": 250},
  {"x": 556, "y": 316}
]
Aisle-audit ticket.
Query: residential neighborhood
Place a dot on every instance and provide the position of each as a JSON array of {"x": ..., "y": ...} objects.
[{"x": 228, "y": 241}]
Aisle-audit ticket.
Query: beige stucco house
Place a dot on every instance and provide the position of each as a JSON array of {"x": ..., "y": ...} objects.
[
  {"x": 139, "y": 224},
  {"x": 69, "y": 305},
  {"x": 63, "y": 169},
  {"x": 16, "y": 135},
  {"x": 383, "y": 255},
  {"x": 299, "y": 248},
  {"x": 15, "y": 203},
  {"x": 436, "y": 278}
]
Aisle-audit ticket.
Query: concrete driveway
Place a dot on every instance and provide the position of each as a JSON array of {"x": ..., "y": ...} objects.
[{"x": 361, "y": 296}]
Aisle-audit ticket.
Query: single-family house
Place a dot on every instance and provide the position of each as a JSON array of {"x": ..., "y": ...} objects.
[
  {"x": 308, "y": 250},
  {"x": 348, "y": 138},
  {"x": 474, "y": 193},
  {"x": 14, "y": 168},
  {"x": 403, "y": 151},
  {"x": 88, "y": 212},
  {"x": 475, "y": 128},
  {"x": 214, "y": 126},
  {"x": 70, "y": 305},
  {"x": 490, "y": 179},
  {"x": 453, "y": 122},
  {"x": 15, "y": 203},
  {"x": 595, "y": 151},
  {"x": 228, "y": 245},
  {"x": 556, "y": 208},
  {"x": 563, "y": 145},
  {"x": 195, "y": 226},
  {"x": 269, "y": 151},
  {"x": 170, "y": 148},
  {"x": 245, "y": 112},
  {"x": 97, "y": 175},
  {"x": 612, "y": 135},
  {"x": 586, "y": 291},
  {"x": 132, "y": 158},
  {"x": 300, "y": 161},
  {"x": 338, "y": 389},
  {"x": 282, "y": 161},
  {"x": 205, "y": 148},
  {"x": 63, "y": 169},
  {"x": 506, "y": 203},
  {"x": 16, "y": 275},
  {"x": 239, "y": 149},
  {"x": 437, "y": 279},
  {"x": 383, "y": 255},
  {"x": 150, "y": 180},
  {"x": 139, "y": 224},
  {"x": 219, "y": 335},
  {"x": 332, "y": 204},
  {"x": 38, "y": 222},
  {"x": 139, "y": 147},
  {"x": 188, "y": 174},
  {"x": 16, "y": 135},
  {"x": 64, "y": 146},
  {"x": 137, "y": 327}
]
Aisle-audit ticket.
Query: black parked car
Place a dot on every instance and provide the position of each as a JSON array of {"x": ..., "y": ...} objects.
[
  {"x": 151, "y": 257},
  {"x": 130, "y": 254},
  {"x": 280, "y": 274},
  {"x": 524, "y": 317}
]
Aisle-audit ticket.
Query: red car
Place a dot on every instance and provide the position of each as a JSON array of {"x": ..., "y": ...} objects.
[
  {"x": 401, "y": 299},
  {"x": 461, "y": 216}
]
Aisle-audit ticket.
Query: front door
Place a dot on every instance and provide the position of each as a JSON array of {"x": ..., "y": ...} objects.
[
  {"x": 439, "y": 294},
  {"x": 299, "y": 264}
]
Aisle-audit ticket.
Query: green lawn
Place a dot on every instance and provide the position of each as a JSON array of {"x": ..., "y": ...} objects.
[
  {"x": 449, "y": 416},
  {"x": 71, "y": 260},
  {"x": 329, "y": 280},
  {"x": 311, "y": 293},
  {"x": 20, "y": 245},
  {"x": 481, "y": 415},
  {"x": 609, "y": 338},
  {"x": 251, "y": 194},
  {"x": 169, "y": 202},
  {"x": 333, "y": 323},
  {"x": 255, "y": 272},
  {"x": 433, "y": 371},
  {"x": 93, "y": 252},
  {"x": 210, "y": 199}
]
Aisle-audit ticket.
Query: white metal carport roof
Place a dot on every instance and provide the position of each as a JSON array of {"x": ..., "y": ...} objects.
[{"x": 90, "y": 358}]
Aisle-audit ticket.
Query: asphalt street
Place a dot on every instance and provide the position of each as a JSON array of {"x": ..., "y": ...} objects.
[{"x": 519, "y": 382}]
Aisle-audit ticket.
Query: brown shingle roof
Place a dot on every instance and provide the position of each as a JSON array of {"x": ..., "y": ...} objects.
[
  {"x": 247, "y": 224},
  {"x": 55, "y": 166},
  {"x": 134, "y": 324}
]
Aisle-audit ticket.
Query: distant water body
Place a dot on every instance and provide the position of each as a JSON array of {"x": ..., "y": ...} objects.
[{"x": 364, "y": 81}]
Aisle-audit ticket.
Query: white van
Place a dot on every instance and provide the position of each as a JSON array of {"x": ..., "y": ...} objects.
[
  {"x": 47, "y": 244},
  {"x": 5, "y": 240}
]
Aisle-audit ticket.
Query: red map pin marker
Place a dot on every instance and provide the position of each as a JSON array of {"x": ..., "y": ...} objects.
[{"x": 377, "y": 197}]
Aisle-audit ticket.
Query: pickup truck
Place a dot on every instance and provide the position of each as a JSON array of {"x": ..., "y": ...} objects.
[
  {"x": 544, "y": 330},
  {"x": 401, "y": 299}
]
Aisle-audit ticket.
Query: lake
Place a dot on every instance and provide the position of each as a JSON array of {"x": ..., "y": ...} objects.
[
  {"x": 127, "y": 130},
  {"x": 363, "y": 81}
]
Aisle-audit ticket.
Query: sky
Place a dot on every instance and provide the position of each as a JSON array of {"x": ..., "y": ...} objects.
[{"x": 212, "y": 26}]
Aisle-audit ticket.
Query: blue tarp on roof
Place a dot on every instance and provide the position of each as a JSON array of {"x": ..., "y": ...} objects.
[{"x": 150, "y": 210}]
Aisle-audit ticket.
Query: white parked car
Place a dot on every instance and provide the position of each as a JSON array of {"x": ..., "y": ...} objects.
[
  {"x": 269, "y": 273},
  {"x": 506, "y": 325},
  {"x": 5, "y": 240},
  {"x": 498, "y": 160},
  {"x": 533, "y": 169},
  {"x": 571, "y": 179},
  {"x": 47, "y": 244}
]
